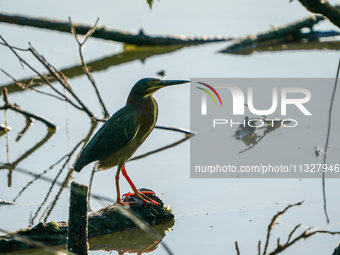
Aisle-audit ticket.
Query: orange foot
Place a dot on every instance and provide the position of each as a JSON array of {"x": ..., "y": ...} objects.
[{"x": 142, "y": 195}]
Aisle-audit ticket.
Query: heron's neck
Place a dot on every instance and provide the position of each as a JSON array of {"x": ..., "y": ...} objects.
[
  {"x": 147, "y": 108},
  {"x": 144, "y": 104},
  {"x": 140, "y": 101}
]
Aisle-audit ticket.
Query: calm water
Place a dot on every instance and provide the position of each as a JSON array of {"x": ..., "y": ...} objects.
[{"x": 211, "y": 214}]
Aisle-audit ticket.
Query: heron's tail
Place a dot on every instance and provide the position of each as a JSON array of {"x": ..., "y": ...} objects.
[
  {"x": 76, "y": 169},
  {"x": 79, "y": 164}
]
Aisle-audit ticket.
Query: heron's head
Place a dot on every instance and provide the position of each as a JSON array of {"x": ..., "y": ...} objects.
[{"x": 147, "y": 86}]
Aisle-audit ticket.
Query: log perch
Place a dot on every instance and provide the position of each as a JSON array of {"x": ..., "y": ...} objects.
[{"x": 105, "y": 221}]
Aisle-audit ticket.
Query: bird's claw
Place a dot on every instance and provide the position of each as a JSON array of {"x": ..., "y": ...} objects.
[
  {"x": 140, "y": 192},
  {"x": 141, "y": 195}
]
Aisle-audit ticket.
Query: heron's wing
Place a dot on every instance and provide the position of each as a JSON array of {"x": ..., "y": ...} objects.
[{"x": 117, "y": 132}]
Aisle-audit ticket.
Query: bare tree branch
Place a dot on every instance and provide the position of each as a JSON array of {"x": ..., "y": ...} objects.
[
  {"x": 24, "y": 86},
  {"x": 85, "y": 67},
  {"x": 272, "y": 223},
  {"x": 306, "y": 234},
  {"x": 323, "y": 7},
  {"x": 237, "y": 250},
  {"x": 61, "y": 78},
  {"x": 291, "y": 233},
  {"x": 22, "y": 61},
  {"x": 327, "y": 139},
  {"x": 281, "y": 247},
  {"x": 16, "y": 108}
]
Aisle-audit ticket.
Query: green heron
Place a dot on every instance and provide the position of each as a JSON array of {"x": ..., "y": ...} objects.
[{"x": 122, "y": 134}]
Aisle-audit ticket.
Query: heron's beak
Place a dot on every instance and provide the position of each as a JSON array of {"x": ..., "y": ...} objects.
[
  {"x": 171, "y": 82},
  {"x": 163, "y": 84}
]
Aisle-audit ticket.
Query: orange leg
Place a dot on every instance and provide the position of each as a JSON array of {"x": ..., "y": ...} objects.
[
  {"x": 117, "y": 185},
  {"x": 128, "y": 179},
  {"x": 138, "y": 194}
]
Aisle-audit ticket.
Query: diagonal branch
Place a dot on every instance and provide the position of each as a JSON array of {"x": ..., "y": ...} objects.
[
  {"x": 270, "y": 226},
  {"x": 306, "y": 234},
  {"x": 237, "y": 249},
  {"x": 291, "y": 233},
  {"x": 85, "y": 67},
  {"x": 22, "y": 61},
  {"x": 327, "y": 139},
  {"x": 14, "y": 107},
  {"x": 61, "y": 78},
  {"x": 24, "y": 86}
]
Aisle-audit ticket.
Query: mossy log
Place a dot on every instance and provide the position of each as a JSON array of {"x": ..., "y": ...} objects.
[
  {"x": 284, "y": 33},
  {"x": 106, "y": 221},
  {"x": 139, "y": 39},
  {"x": 323, "y": 7},
  {"x": 274, "y": 46}
]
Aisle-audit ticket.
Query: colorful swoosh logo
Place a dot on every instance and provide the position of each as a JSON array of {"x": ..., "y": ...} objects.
[{"x": 213, "y": 90}]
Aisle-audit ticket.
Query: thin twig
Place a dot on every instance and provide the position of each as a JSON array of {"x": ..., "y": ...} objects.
[
  {"x": 29, "y": 122},
  {"x": 270, "y": 226},
  {"x": 304, "y": 235},
  {"x": 237, "y": 250},
  {"x": 50, "y": 189},
  {"x": 16, "y": 108},
  {"x": 181, "y": 130},
  {"x": 281, "y": 247},
  {"x": 327, "y": 139},
  {"x": 12, "y": 166},
  {"x": 22, "y": 61},
  {"x": 90, "y": 187},
  {"x": 62, "y": 80},
  {"x": 49, "y": 209},
  {"x": 37, "y": 177},
  {"x": 85, "y": 67},
  {"x": 160, "y": 149},
  {"x": 24, "y": 86},
  {"x": 291, "y": 233},
  {"x": 13, "y": 47}
]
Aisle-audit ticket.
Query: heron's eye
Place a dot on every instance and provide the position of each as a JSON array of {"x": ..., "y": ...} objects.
[{"x": 152, "y": 83}]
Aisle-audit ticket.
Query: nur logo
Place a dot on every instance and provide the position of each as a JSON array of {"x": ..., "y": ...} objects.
[
  {"x": 300, "y": 97},
  {"x": 204, "y": 97}
]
